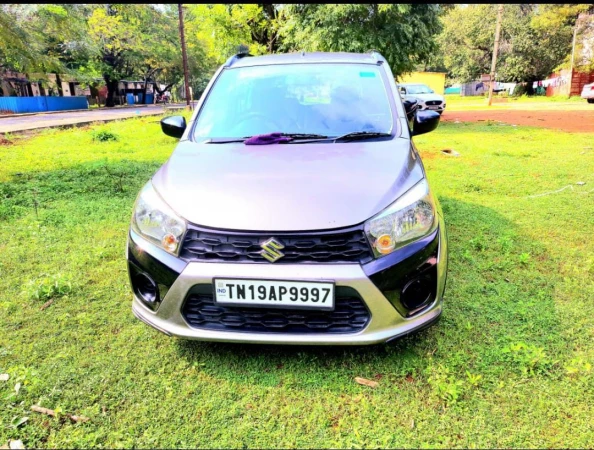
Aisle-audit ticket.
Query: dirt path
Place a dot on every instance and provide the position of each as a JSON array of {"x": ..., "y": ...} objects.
[{"x": 572, "y": 121}]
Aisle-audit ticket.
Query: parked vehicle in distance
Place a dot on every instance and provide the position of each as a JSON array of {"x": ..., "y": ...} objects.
[
  {"x": 163, "y": 98},
  {"x": 588, "y": 92},
  {"x": 294, "y": 210},
  {"x": 425, "y": 96}
]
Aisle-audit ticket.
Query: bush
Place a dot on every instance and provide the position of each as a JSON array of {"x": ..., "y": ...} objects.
[
  {"x": 103, "y": 135},
  {"x": 49, "y": 287}
]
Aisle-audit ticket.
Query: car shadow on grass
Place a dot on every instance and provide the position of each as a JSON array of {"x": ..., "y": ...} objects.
[{"x": 499, "y": 293}]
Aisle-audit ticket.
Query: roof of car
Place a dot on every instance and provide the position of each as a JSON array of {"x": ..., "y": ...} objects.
[{"x": 305, "y": 57}]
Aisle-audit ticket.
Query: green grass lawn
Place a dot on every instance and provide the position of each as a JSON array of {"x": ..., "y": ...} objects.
[{"x": 509, "y": 365}]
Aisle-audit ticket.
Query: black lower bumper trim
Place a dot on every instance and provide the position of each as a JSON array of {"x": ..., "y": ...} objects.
[{"x": 420, "y": 328}]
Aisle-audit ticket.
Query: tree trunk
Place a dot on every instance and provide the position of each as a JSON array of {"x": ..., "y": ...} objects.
[
  {"x": 144, "y": 92},
  {"x": 112, "y": 90},
  {"x": 59, "y": 84},
  {"x": 529, "y": 89}
]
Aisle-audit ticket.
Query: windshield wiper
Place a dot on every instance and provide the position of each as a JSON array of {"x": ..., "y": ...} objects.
[
  {"x": 224, "y": 140},
  {"x": 355, "y": 135},
  {"x": 293, "y": 136},
  {"x": 304, "y": 136}
]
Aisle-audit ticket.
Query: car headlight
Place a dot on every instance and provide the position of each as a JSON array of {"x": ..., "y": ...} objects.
[
  {"x": 156, "y": 221},
  {"x": 406, "y": 220}
]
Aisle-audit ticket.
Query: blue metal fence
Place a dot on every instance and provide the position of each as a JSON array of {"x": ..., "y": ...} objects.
[{"x": 19, "y": 105}]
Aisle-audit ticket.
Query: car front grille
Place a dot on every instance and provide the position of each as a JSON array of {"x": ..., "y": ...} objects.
[
  {"x": 433, "y": 102},
  {"x": 350, "y": 315},
  {"x": 342, "y": 246}
]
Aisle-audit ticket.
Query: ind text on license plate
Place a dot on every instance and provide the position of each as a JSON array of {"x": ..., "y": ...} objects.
[{"x": 275, "y": 293}]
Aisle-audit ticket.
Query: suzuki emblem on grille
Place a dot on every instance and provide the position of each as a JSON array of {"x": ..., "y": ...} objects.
[{"x": 271, "y": 250}]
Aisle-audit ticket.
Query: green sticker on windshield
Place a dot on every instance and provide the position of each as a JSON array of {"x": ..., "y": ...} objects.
[{"x": 367, "y": 74}]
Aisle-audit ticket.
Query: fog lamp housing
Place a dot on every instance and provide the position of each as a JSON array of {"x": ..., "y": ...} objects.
[
  {"x": 146, "y": 289},
  {"x": 418, "y": 293}
]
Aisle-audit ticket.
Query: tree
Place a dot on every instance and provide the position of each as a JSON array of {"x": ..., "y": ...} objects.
[
  {"x": 41, "y": 38},
  {"x": 534, "y": 40},
  {"x": 117, "y": 40},
  {"x": 134, "y": 40},
  {"x": 404, "y": 34},
  {"x": 564, "y": 18},
  {"x": 220, "y": 29},
  {"x": 265, "y": 27}
]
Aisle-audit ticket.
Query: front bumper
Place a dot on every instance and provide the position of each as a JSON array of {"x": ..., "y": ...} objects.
[
  {"x": 385, "y": 324},
  {"x": 437, "y": 108}
]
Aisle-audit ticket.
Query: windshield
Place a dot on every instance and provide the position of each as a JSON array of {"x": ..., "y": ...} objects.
[
  {"x": 418, "y": 89},
  {"x": 325, "y": 99}
]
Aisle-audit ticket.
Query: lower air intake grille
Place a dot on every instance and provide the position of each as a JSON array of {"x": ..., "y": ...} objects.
[{"x": 350, "y": 315}]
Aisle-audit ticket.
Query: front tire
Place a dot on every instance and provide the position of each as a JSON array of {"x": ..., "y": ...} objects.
[{"x": 591, "y": 100}]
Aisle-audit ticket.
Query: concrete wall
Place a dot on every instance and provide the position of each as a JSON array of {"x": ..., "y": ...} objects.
[{"x": 435, "y": 80}]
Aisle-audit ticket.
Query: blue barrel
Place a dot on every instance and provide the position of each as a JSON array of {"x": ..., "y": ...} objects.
[
  {"x": 150, "y": 99},
  {"x": 140, "y": 99},
  {"x": 130, "y": 99}
]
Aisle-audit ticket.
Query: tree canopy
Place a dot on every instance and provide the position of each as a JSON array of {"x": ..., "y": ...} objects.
[
  {"x": 404, "y": 34},
  {"x": 534, "y": 41},
  {"x": 122, "y": 41}
]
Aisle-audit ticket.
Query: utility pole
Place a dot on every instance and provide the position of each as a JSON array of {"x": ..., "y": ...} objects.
[
  {"x": 184, "y": 54},
  {"x": 495, "y": 50},
  {"x": 573, "y": 54}
]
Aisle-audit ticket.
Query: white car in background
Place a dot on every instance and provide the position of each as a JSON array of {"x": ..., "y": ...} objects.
[
  {"x": 588, "y": 92},
  {"x": 425, "y": 96}
]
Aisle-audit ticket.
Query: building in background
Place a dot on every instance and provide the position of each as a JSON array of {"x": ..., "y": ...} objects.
[
  {"x": 37, "y": 92},
  {"x": 16, "y": 84},
  {"x": 136, "y": 89}
]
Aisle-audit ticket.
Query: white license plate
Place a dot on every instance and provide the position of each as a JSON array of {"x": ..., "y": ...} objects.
[
  {"x": 432, "y": 107},
  {"x": 274, "y": 293}
]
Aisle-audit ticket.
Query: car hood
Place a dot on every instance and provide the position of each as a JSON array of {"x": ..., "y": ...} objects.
[
  {"x": 286, "y": 187},
  {"x": 426, "y": 97}
]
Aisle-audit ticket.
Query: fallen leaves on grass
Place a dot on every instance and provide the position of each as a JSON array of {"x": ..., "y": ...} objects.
[
  {"x": 47, "y": 304},
  {"x": 51, "y": 412},
  {"x": 39, "y": 409},
  {"x": 366, "y": 382},
  {"x": 78, "y": 419}
]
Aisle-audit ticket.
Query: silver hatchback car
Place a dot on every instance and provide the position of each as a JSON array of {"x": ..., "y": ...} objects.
[{"x": 294, "y": 210}]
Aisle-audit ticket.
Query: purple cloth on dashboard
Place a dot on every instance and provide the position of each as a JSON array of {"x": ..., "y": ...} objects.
[{"x": 265, "y": 139}]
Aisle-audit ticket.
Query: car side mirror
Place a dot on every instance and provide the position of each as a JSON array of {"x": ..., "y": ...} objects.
[
  {"x": 174, "y": 126},
  {"x": 425, "y": 121}
]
